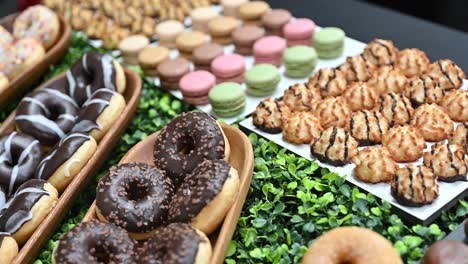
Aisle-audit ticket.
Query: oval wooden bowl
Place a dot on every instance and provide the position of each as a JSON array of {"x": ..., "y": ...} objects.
[
  {"x": 21, "y": 84},
  {"x": 45, "y": 230},
  {"x": 241, "y": 158}
]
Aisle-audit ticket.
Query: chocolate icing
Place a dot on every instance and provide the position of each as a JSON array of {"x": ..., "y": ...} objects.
[
  {"x": 18, "y": 209},
  {"x": 19, "y": 156},
  {"x": 47, "y": 115},
  {"x": 96, "y": 242},
  {"x": 59, "y": 155},
  {"x": 135, "y": 196},
  {"x": 198, "y": 190},
  {"x": 400, "y": 197},
  {"x": 176, "y": 243},
  {"x": 331, "y": 141},
  {"x": 195, "y": 134}
]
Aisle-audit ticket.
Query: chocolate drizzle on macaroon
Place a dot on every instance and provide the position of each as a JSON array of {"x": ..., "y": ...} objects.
[{"x": 414, "y": 186}]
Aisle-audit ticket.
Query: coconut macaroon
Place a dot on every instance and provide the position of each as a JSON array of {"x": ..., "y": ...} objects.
[
  {"x": 269, "y": 115},
  {"x": 329, "y": 81},
  {"x": 360, "y": 95},
  {"x": 450, "y": 76},
  {"x": 301, "y": 128},
  {"x": 367, "y": 127},
  {"x": 374, "y": 164},
  {"x": 298, "y": 97},
  {"x": 334, "y": 146},
  {"x": 424, "y": 89},
  {"x": 447, "y": 161},
  {"x": 460, "y": 136},
  {"x": 388, "y": 79},
  {"x": 381, "y": 52},
  {"x": 332, "y": 111},
  {"x": 396, "y": 108},
  {"x": 455, "y": 104},
  {"x": 356, "y": 68},
  {"x": 405, "y": 143},
  {"x": 433, "y": 123},
  {"x": 412, "y": 62}
]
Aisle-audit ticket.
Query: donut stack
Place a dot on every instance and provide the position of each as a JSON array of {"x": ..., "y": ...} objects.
[
  {"x": 396, "y": 102},
  {"x": 35, "y": 30},
  {"x": 57, "y": 131},
  {"x": 182, "y": 198}
]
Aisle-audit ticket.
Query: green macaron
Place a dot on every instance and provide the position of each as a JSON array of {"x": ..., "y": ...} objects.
[
  {"x": 300, "y": 61},
  {"x": 227, "y": 99},
  {"x": 329, "y": 42},
  {"x": 262, "y": 80}
]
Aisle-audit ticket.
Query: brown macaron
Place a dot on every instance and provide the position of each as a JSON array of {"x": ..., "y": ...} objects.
[
  {"x": 150, "y": 57},
  {"x": 221, "y": 28},
  {"x": 171, "y": 71},
  {"x": 188, "y": 41},
  {"x": 131, "y": 46},
  {"x": 244, "y": 38},
  {"x": 251, "y": 12},
  {"x": 274, "y": 20},
  {"x": 204, "y": 55}
]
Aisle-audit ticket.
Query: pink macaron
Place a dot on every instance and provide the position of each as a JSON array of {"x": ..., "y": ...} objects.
[
  {"x": 195, "y": 87},
  {"x": 270, "y": 50},
  {"x": 299, "y": 31},
  {"x": 229, "y": 68}
]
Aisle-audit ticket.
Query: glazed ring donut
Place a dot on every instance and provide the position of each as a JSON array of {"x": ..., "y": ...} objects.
[
  {"x": 95, "y": 242},
  {"x": 8, "y": 248},
  {"x": 19, "y": 156},
  {"x": 6, "y": 40},
  {"x": 188, "y": 140},
  {"x": 47, "y": 115},
  {"x": 205, "y": 196},
  {"x": 99, "y": 113},
  {"x": 66, "y": 160},
  {"x": 351, "y": 244},
  {"x": 134, "y": 196},
  {"x": 177, "y": 243},
  {"x": 30, "y": 204},
  {"x": 24, "y": 54},
  {"x": 38, "y": 22}
]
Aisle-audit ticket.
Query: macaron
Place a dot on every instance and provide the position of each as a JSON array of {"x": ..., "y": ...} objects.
[
  {"x": 190, "y": 40},
  {"x": 227, "y": 99},
  {"x": 171, "y": 71},
  {"x": 269, "y": 50},
  {"x": 299, "y": 32},
  {"x": 231, "y": 7},
  {"x": 150, "y": 57},
  {"x": 131, "y": 46},
  {"x": 274, "y": 21},
  {"x": 201, "y": 16},
  {"x": 329, "y": 42},
  {"x": 205, "y": 54},
  {"x": 300, "y": 61},
  {"x": 221, "y": 28},
  {"x": 195, "y": 87},
  {"x": 244, "y": 38},
  {"x": 251, "y": 12},
  {"x": 229, "y": 68},
  {"x": 262, "y": 80},
  {"x": 168, "y": 31}
]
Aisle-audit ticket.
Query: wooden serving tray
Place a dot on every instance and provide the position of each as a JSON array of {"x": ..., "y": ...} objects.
[
  {"x": 241, "y": 158},
  {"x": 21, "y": 83},
  {"x": 44, "y": 231}
]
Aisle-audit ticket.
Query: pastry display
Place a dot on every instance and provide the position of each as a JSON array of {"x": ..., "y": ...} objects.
[
  {"x": 334, "y": 146},
  {"x": 329, "y": 81},
  {"x": 412, "y": 62},
  {"x": 274, "y": 21},
  {"x": 131, "y": 47},
  {"x": 388, "y": 79},
  {"x": 455, "y": 104},
  {"x": 300, "y": 61},
  {"x": 229, "y": 68},
  {"x": 374, "y": 165},
  {"x": 460, "y": 136},
  {"x": 301, "y": 128},
  {"x": 195, "y": 87},
  {"x": 447, "y": 161},
  {"x": 231, "y": 7},
  {"x": 168, "y": 31},
  {"x": 299, "y": 31},
  {"x": 332, "y": 111},
  {"x": 171, "y": 71},
  {"x": 360, "y": 95},
  {"x": 405, "y": 143},
  {"x": 251, "y": 12},
  {"x": 446, "y": 252},
  {"x": 300, "y": 98},
  {"x": 227, "y": 99},
  {"x": 351, "y": 244},
  {"x": 396, "y": 108},
  {"x": 201, "y": 16},
  {"x": 8, "y": 248},
  {"x": 367, "y": 127},
  {"x": 270, "y": 114},
  {"x": 414, "y": 186},
  {"x": 150, "y": 57},
  {"x": 269, "y": 50},
  {"x": 244, "y": 38},
  {"x": 262, "y": 80},
  {"x": 187, "y": 41},
  {"x": 329, "y": 42},
  {"x": 433, "y": 123},
  {"x": 381, "y": 52},
  {"x": 424, "y": 90},
  {"x": 204, "y": 55},
  {"x": 356, "y": 68},
  {"x": 449, "y": 75},
  {"x": 221, "y": 28}
]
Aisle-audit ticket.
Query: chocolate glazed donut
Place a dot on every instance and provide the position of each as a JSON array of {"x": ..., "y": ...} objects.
[
  {"x": 47, "y": 115},
  {"x": 95, "y": 242},
  {"x": 8, "y": 248},
  {"x": 134, "y": 196},
  {"x": 187, "y": 141},
  {"x": 19, "y": 156}
]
